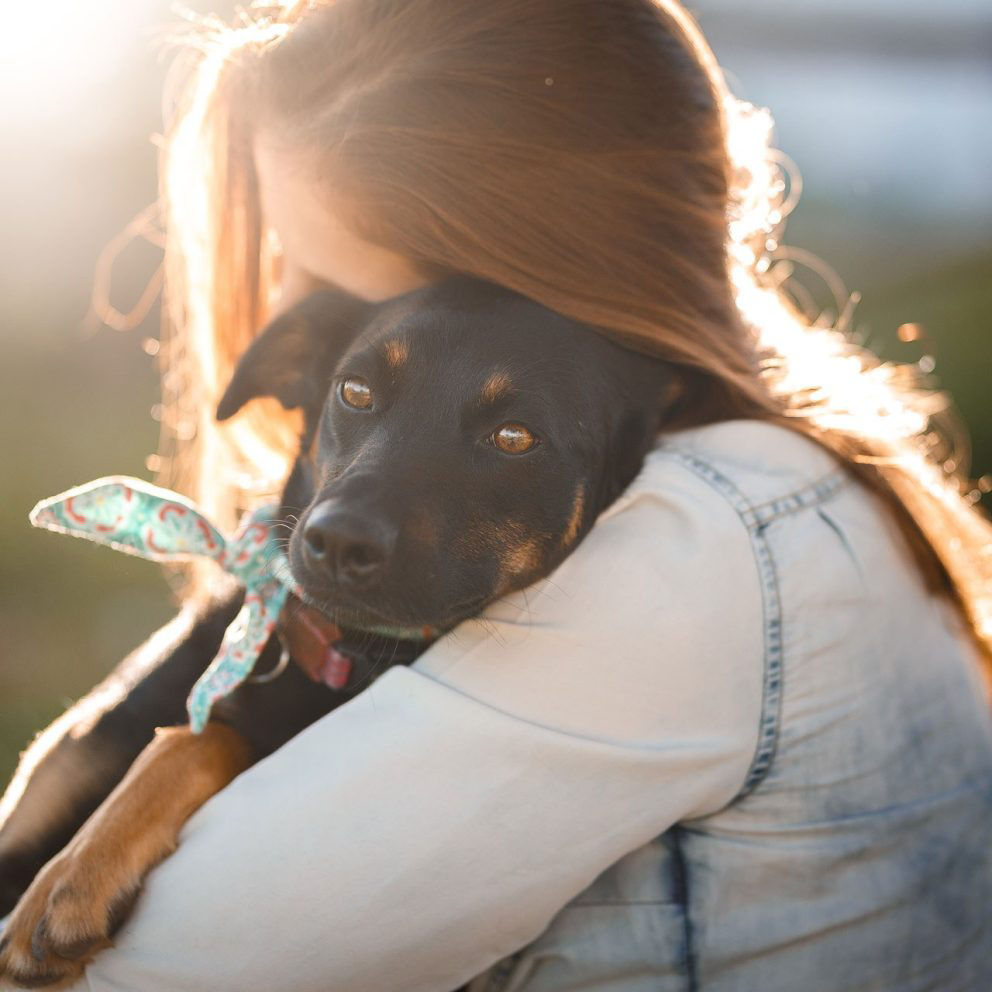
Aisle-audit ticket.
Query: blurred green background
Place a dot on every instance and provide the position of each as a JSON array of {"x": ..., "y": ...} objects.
[{"x": 885, "y": 106}]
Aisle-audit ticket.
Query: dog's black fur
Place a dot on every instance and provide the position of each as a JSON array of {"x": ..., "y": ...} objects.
[{"x": 409, "y": 513}]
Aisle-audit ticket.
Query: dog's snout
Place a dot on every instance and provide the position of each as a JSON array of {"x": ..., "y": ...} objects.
[{"x": 351, "y": 547}]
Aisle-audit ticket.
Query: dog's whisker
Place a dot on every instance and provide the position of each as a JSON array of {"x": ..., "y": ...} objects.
[
  {"x": 527, "y": 607},
  {"x": 551, "y": 582},
  {"x": 378, "y": 665}
]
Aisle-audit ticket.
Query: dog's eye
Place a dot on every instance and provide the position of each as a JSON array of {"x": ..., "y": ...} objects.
[
  {"x": 514, "y": 439},
  {"x": 355, "y": 392}
]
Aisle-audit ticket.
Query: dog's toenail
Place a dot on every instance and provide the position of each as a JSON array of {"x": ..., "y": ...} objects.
[{"x": 35, "y": 979}]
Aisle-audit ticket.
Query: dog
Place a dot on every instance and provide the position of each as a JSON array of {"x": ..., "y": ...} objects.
[{"x": 459, "y": 441}]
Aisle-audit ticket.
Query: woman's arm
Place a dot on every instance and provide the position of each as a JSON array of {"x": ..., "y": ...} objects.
[{"x": 439, "y": 820}]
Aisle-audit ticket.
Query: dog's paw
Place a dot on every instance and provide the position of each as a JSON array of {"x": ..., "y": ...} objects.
[
  {"x": 82, "y": 895},
  {"x": 69, "y": 913}
]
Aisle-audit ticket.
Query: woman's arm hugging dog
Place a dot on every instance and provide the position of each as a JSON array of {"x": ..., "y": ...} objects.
[{"x": 459, "y": 442}]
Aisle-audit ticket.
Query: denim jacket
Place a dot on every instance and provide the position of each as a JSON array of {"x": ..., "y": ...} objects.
[
  {"x": 731, "y": 744},
  {"x": 857, "y": 854}
]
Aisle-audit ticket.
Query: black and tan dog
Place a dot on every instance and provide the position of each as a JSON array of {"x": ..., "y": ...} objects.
[{"x": 460, "y": 441}]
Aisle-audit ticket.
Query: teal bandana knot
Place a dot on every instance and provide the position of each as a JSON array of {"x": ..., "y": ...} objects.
[{"x": 141, "y": 519}]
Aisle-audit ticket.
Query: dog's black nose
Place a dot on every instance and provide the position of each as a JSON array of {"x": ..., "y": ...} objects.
[{"x": 353, "y": 548}]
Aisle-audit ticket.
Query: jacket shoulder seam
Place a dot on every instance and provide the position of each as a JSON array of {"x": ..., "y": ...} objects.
[{"x": 771, "y": 697}]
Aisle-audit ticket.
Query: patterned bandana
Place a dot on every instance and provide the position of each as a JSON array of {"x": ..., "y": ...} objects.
[{"x": 141, "y": 519}]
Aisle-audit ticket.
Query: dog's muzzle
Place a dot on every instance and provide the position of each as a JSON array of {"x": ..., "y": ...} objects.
[{"x": 346, "y": 547}]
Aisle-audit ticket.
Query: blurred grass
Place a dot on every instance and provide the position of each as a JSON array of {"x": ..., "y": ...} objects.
[
  {"x": 69, "y": 610},
  {"x": 953, "y": 304}
]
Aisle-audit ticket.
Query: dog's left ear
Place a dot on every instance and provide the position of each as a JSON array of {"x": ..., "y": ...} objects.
[{"x": 294, "y": 355}]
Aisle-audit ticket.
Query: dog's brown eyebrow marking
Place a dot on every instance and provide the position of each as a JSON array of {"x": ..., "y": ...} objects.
[
  {"x": 497, "y": 385},
  {"x": 396, "y": 351}
]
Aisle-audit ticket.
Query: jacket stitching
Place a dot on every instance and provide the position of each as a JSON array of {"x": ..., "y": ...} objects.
[
  {"x": 772, "y": 610},
  {"x": 681, "y": 872},
  {"x": 757, "y": 518},
  {"x": 819, "y": 491}
]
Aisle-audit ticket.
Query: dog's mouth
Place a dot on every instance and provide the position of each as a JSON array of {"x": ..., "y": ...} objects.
[
  {"x": 345, "y": 609},
  {"x": 370, "y": 612},
  {"x": 358, "y": 578}
]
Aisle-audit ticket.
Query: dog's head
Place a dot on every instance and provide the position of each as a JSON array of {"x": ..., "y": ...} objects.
[{"x": 461, "y": 440}]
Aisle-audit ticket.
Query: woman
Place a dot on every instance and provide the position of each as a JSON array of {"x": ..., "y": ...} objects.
[{"x": 739, "y": 740}]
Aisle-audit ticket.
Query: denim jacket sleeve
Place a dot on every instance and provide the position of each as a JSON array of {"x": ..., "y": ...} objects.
[{"x": 439, "y": 820}]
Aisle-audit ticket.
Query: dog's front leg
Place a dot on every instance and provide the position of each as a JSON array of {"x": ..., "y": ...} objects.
[
  {"x": 77, "y": 900},
  {"x": 72, "y": 767}
]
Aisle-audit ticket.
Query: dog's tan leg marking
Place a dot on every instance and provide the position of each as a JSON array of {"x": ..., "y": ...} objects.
[{"x": 80, "y": 897}]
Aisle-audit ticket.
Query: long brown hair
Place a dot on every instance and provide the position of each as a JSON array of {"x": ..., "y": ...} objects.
[{"x": 585, "y": 153}]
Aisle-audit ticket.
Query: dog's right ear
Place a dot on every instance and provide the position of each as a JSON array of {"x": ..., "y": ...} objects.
[{"x": 294, "y": 355}]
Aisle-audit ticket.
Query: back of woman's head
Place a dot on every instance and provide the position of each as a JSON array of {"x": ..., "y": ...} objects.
[
  {"x": 536, "y": 140},
  {"x": 582, "y": 152},
  {"x": 572, "y": 149}
]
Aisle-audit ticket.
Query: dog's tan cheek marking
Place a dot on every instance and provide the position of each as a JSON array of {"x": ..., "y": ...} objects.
[
  {"x": 397, "y": 352},
  {"x": 575, "y": 520},
  {"x": 509, "y": 544},
  {"x": 522, "y": 558},
  {"x": 519, "y": 554},
  {"x": 497, "y": 385}
]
